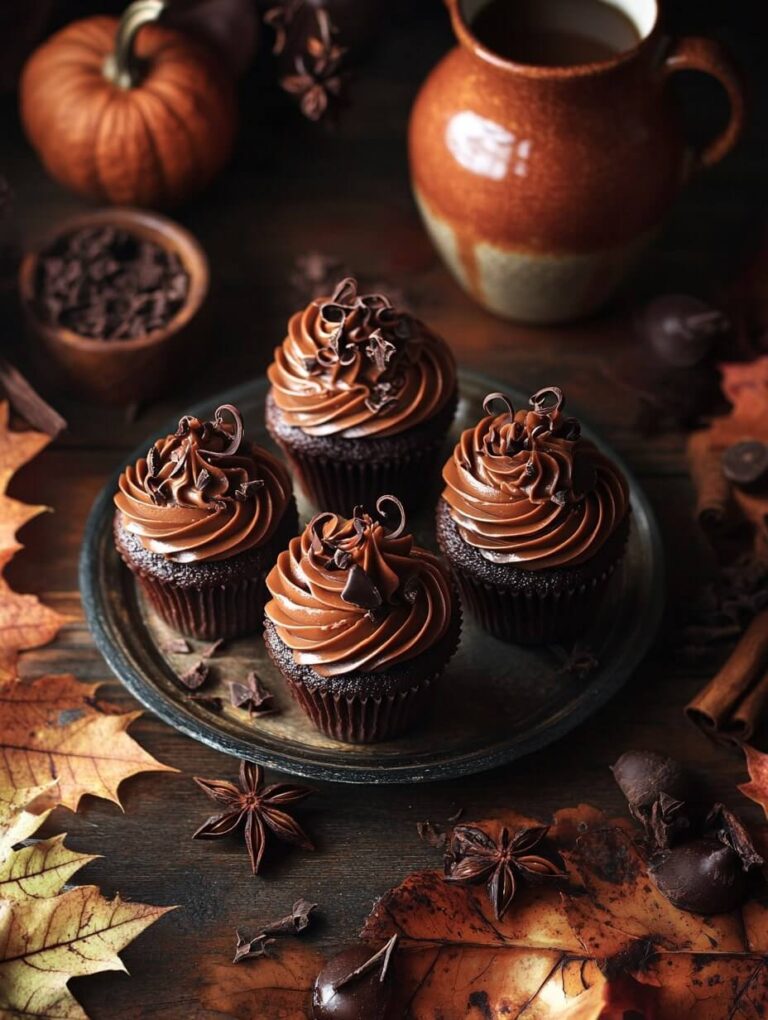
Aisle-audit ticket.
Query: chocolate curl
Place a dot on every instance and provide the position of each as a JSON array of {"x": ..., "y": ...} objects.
[
  {"x": 731, "y": 704},
  {"x": 713, "y": 490}
]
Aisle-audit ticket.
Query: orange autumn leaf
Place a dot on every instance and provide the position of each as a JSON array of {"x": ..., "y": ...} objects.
[
  {"x": 52, "y": 729},
  {"x": 24, "y": 621},
  {"x": 272, "y": 988},
  {"x": 605, "y": 944},
  {"x": 16, "y": 448},
  {"x": 757, "y": 766}
]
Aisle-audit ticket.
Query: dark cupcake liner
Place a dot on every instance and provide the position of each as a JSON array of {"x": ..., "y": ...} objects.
[
  {"x": 339, "y": 486},
  {"x": 528, "y": 618},
  {"x": 363, "y": 720},
  {"x": 221, "y": 611}
]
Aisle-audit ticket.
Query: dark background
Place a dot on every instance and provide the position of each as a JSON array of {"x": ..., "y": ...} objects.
[{"x": 291, "y": 188}]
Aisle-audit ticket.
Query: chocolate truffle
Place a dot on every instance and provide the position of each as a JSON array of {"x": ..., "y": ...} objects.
[
  {"x": 702, "y": 877},
  {"x": 366, "y": 997},
  {"x": 644, "y": 775}
]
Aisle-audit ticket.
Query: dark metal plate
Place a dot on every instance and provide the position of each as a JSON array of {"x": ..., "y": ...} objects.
[{"x": 496, "y": 703}]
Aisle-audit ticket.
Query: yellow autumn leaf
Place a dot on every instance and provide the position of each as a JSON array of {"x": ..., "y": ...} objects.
[
  {"x": 51, "y": 728},
  {"x": 42, "y": 869},
  {"x": 45, "y": 942},
  {"x": 22, "y": 811}
]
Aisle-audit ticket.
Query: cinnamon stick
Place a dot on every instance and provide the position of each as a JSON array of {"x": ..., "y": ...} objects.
[
  {"x": 731, "y": 703},
  {"x": 744, "y": 720},
  {"x": 28, "y": 403},
  {"x": 713, "y": 490}
]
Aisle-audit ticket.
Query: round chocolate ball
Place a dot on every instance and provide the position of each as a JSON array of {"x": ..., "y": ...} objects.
[
  {"x": 702, "y": 877},
  {"x": 746, "y": 463},
  {"x": 681, "y": 329},
  {"x": 644, "y": 775},
  {"x": 363, "y": 998}
]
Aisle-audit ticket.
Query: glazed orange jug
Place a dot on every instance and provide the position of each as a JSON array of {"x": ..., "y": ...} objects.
[{"x": 546, "y": 149}]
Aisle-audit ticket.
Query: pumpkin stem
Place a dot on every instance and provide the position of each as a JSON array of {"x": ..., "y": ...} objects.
[{"x": 122, "y": 66}]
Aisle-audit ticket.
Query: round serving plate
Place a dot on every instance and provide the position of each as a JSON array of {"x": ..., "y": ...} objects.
[{"x": 496, "y": 701}]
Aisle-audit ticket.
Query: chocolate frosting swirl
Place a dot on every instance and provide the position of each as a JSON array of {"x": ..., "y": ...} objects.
[
  {"x": 524, "y": 487},
  {"x": 353, "y": 366},
  {"x": 357, "y": 594},
  {"x": 203, "y": 493}
]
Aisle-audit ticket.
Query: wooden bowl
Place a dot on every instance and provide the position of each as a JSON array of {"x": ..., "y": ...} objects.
[{"x": 124, "y": 371}]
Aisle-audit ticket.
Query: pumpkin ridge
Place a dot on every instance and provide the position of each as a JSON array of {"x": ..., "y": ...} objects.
[
  {"x": 192, "y": 141},
  {"x": 163, "y": 185}
]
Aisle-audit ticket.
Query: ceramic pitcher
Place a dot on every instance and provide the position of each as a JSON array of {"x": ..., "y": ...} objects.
[{"x": 540, "y": 185}]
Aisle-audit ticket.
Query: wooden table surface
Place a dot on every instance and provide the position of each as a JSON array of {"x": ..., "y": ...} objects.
[{"x": 294, "y": 187}]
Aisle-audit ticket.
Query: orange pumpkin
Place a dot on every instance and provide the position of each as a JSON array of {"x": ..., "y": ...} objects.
[{"x": 128, "y": 111}]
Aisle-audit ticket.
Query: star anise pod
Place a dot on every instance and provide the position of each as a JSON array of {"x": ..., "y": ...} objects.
[
  {"x": 256, "y": 806},
  {"x": 318, "y": 77},
  {"x": 475, "y": 856}
]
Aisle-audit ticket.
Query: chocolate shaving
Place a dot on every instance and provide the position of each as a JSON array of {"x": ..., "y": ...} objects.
[
  {"x": 246, "y": 489},
  {"x": 381, "y": 502},
  {"x": 432, "y": 835},
  {"x": 195, "y": 676},
  {"x": 176, "y": 646},
  {"x": 669, "y": 822},
  {"x": 360, "y": 590},
  {"x": 547, "y": 400},
  {"x": 234, "y": 440},
  {"x": 202, "y": 479},
  {"x": 730, "y": 831},
  {"x": 212, "y": 649},
  {"x": 250, "y": 949},
  {"x": 504, "y": 400},
  {"x": 292, "y": 924},
  {"x": 380, "y": 350},
  {"x": 153, "y": 462},
  {"x": 252, "y": 695},
  {"x": 381, "y": 958}
]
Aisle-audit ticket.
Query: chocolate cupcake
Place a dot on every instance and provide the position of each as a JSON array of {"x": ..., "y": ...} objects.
[
  {"x": 361, "y": 623},
  {"x": 533, "y": 521},
  {"x": 200, "y": 521},
  {"x": 362, "y": 398}
]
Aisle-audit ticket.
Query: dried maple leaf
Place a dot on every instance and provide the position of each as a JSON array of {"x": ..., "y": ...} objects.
[
  {"x": 757, "y": 766},
  {"x": 276, "y": 986},
  {"x": 52, "y": 729},
  {"x": 605, "y": 944},
  {"x": 45, "y": 942},
  {"x": 22, "y": 812},
  {"x": 24, "y": 621},
  {"x": 42, "y": 869}
]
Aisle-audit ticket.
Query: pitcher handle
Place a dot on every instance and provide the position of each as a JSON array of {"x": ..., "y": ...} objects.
[{"x": 694, "y": 53}]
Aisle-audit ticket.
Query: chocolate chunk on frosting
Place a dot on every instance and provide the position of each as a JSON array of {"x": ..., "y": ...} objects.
[
  {"x": 357, "y": 594},
  {"x": 523, "y": 487},
  {"x": 203, "y": 492},
  {"x": 353, "y": 366}
]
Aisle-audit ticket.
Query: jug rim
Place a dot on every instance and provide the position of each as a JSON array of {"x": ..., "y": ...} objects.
[{"x": 469, "y": 40}]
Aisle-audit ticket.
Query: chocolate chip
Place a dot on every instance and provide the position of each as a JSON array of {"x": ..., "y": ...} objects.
[
  {"x": 106, "y": 284},
  {"x": 360, "y": 590},
  {"x": 195, "y": 676}
]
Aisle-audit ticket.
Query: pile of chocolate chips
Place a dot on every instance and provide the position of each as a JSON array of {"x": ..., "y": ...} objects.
[
  {"x": 700, "y": 855},
  {"x": 108, "y": 284}
]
